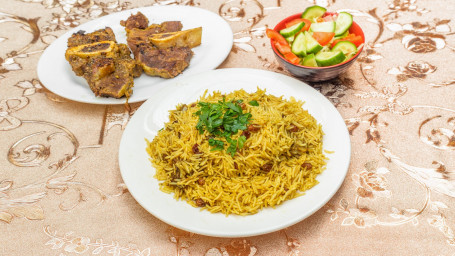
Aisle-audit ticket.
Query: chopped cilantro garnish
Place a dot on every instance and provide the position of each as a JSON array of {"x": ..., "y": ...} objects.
[
  {"x": 217, "y": 144},
  {"x": 222, "y": 120},
  {"x": 241, "y": 140},
  {"x": 254, "y": 103}
]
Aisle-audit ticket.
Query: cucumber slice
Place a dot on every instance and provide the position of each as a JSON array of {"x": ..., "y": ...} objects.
[
  {"x": 310, "y": 61},
  {"x": 346, "y": 47},
  {"x": 325, "y": 59},
  {"x": 299, "y": 45},
  {"x": 343, "y": 23},
  {"x": 345, "y": 34},
  {"x": 325, "y": 48},
  {"x": 313, "y": 12},
  {"x": 312, "y": 46},
  {"x": 290, "y": 39},
  {"x": 328, "y": 26},
  {"x": 292, "y": 30}
]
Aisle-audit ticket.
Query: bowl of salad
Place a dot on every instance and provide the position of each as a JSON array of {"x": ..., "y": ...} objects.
[{"x": 317, "y": 45}]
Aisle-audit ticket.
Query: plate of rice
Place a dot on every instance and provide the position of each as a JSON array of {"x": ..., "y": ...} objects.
[{"x": 234, "y": 152}]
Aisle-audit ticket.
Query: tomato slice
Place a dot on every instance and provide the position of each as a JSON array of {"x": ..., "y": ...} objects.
[
  {"x": 293, "y": 22},
  {"x": 283, "y": 48},
  {"x": 357, "y": 40},
  {"x": 329, "y": 14},
  {"x": 272, "y": 34},
  {"x": 330, "y": 18},
  {"x": 307, "y": 25},
  {"x": 323, "y": 38},
  {"x": 291, "y": 57}
]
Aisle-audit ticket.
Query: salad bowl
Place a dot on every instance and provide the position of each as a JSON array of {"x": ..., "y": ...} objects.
[{"x": 314, "y": 73}]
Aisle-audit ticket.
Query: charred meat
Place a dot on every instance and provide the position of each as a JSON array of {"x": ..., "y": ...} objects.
[
  {"x": 165, "y": 63},
  {"x": 135, "y": 21},
  {"x": 106, "y": 65},
  {"x": 160, "y": 49},
  {"x": 81, "y": 38},
  {"x": 138, "y": 31}
]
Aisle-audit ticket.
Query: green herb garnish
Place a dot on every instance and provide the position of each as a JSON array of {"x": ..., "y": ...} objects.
[
  {"x": 254, "y": 103},
  {"x": 222, "y": 120}
]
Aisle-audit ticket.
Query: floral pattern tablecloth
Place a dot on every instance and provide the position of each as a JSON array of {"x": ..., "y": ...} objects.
[{"x": 60, "y": 187}]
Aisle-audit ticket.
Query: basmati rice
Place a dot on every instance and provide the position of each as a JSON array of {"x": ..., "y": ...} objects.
[{"x": 277, "y": 163}]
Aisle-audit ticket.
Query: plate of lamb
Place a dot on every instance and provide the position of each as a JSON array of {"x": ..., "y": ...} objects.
[{"x": 130, "y": 55}]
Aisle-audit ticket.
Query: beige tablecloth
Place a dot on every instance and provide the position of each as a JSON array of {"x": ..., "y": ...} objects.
[{"x": 61, "y": 192}]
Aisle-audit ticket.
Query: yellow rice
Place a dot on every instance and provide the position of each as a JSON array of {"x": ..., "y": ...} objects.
[{"x": 238, "y": 185}]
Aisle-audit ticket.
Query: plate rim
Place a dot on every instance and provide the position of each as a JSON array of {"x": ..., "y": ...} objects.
[
  {"x": 40, "y": 69},
  {"x": 256, "y": 232}
]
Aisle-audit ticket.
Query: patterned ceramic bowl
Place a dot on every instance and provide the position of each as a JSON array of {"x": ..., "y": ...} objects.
[{"x": 315, "y": 74}]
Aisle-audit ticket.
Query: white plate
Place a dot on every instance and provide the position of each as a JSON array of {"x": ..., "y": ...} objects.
[
  {"x": 137, "y": 171},
  {"x": 56, "y": 74}
]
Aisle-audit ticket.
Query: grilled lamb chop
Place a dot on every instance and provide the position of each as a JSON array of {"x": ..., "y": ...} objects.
[
  {"x": 165, "y": 62},
  {"x": 138, "y": 31},
  {"x": 106, "y": 66},
  {"x": 113, "y": 84},
  {"x": 80, "y": 38}
]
